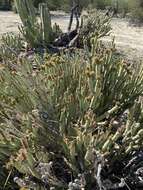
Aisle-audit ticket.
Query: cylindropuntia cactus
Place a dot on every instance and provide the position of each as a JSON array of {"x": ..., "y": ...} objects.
[{"x": 69, "y": 110}]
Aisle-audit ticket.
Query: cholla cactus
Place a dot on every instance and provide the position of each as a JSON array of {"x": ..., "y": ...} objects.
[
  {"x": 94, "y": 24},
  {"x": 11, "y": 45},
  {"x": 79, "y": 110}
]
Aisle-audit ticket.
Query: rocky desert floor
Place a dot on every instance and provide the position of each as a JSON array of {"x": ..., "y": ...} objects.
[{"x": 128, "y": 38}]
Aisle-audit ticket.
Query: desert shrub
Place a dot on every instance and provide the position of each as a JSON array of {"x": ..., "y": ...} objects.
[
  {"x": 123, "y": 7},
  {"x": 94, "y": 23},
  {"x": 40, "y": 33},
  {"x": 11, "y": 46},
  {"x": 67, "y": 117},
  {"x": 100, "y": 4},
  {"x": 136, "y": 9},
  {"x": 6, "y": 4},
  {"x": 66, "y": 121}
]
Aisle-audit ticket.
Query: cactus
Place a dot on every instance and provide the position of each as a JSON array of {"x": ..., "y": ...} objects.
[
  {"x": 94, "y": 23},
  {"x": 46, "y": 27},
  {"x": 71, "y": 109},
  {"x": 36, "y": 33},
  {"x": 73, "y": 115}
]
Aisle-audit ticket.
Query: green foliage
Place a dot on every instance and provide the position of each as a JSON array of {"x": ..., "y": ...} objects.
[
  {"x": 42, "y": 33},
  {"x": 6, "y": 4},
  {"x": 100, "y": 4},
  {"x": 11, "y": 46},
  {"x": 67, "y": 111},
  {"x": 136, "y": 9},
  {"x": 94, "y": 23},
  {"x": 35, "y": 33},
  {"x": 66, "y": 120}
]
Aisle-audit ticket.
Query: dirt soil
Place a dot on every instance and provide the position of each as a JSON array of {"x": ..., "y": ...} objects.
[{"x": 128, "y": 39}]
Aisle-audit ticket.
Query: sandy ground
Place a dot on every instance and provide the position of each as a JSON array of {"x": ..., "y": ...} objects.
[
  {"x": 128, "y": 39},
  {"x": 9, "y": 21}
]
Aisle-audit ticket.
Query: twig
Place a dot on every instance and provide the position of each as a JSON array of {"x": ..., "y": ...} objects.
[
  {"x": 98, "y": 177},
  {"x": 74, "y": 11}
]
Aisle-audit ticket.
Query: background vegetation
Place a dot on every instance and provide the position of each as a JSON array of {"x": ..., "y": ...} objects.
[{"x": 135, "y": 8}]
